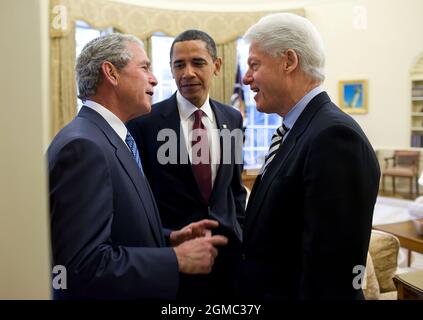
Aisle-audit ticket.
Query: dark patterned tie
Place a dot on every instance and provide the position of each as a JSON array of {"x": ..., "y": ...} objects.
[
  {"x": 134, "y": 150},
  {"x": 201, "y": 162},
  {"x": 274, "y": 146}
]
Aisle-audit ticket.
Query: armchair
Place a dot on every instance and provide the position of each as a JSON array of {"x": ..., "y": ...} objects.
[
  {"x": 382, "y": 263},
  {"x": 402, "y": 164}
]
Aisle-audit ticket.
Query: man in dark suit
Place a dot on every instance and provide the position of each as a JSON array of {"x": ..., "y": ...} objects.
[
  {"x": 105, "y": 227},
  {"x": 187, "y": 188},
  {"x": 309, "y": 216}
]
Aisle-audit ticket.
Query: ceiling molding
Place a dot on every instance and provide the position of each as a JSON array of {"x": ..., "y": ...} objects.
[{"x": 225, "y": 5}]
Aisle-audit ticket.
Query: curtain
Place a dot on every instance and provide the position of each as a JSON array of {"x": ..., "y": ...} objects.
[
  {"x": 63, "y": 84},
  {"x": 223, "y": 84}
]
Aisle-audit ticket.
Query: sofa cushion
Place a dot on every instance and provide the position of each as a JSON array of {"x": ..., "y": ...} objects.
[
  {"x": 371, "y": 288},
  {"x": 384, "y": 248}
]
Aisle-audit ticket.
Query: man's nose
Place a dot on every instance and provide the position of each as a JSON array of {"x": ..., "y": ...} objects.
[
  {"x": 247, "y": 79},
  {"x": 188, "y": 71},
  {"x": 153, "y": 80}
]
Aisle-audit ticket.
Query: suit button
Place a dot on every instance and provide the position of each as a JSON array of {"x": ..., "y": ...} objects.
[{"x": 243, "y": 256}]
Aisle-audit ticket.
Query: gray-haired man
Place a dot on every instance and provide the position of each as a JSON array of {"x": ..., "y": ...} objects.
[
  {"x": 105, "y": 226},
  {"x": 309, "y": 215}
]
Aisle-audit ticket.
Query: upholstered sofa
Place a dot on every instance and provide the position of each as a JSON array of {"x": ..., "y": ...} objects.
[{"x": 382, "y": 262}]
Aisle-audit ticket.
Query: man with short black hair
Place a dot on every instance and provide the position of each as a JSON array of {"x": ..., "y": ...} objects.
[{"x": 204, "y": 182}]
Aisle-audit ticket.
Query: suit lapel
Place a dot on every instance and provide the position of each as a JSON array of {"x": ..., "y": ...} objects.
[
  {"x": 140, "y": 183},
  {"x": 130, "y": 166},
  {"x": 282, "y": 155},
  {"x": 224, "y": 170}
]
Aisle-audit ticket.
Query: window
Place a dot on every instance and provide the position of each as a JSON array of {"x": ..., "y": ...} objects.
[
  {"x": 160, "y": 49},
  {"x": 259, "y": 126}
]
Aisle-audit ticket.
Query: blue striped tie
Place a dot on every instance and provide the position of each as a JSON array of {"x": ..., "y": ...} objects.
[{"x": 134, "y": 150}]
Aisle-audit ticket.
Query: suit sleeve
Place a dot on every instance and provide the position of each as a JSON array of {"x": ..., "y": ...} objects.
[
  {"x": 82, "y": 215},
  {"x": 341, "y": 179},
  {"x": 237, "y": 185}
]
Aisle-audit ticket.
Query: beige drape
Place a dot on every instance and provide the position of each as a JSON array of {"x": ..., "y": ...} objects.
[
  {"x": 63, "y": 84},
  {"x": 223, "y": 84},
  {"x": 224, "y": 27}
]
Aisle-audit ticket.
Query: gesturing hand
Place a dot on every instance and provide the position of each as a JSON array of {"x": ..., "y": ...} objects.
[
  {"x": 197, "y": 256},
  {"x": 193, "y": 230}
]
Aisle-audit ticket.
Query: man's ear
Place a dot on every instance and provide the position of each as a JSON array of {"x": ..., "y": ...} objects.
[
  {"x": 217, "y": 65},
  {"x": 291, "y": 60},
  {"x": 171, "y": 69},
  {"x": 110, "y": 73}
]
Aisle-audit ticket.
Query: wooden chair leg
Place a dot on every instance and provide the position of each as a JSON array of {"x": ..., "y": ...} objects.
[
  {"x": 383, "y": 183},
  {"x": 411, "y": 186},
  {"x": 393, "y": 184}
]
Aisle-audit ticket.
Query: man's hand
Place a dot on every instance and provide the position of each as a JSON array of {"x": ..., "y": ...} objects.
[
  {"x": 197, "y": 256},
  {"x": 192, "y": 231}
]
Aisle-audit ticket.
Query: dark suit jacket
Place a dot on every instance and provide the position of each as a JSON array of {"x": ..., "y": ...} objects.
[
  {"x": 174, "y": 186},
  {"x": 309, "y": 218},
  {"x": 105, "y": 227}
]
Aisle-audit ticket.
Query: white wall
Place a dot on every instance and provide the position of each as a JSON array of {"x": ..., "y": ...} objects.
[
  {"x": 383, "y": 53},
  {"x": 24, "y": 233}
]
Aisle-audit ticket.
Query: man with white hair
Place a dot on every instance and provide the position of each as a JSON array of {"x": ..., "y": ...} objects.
[
  {"x": 309, "y": 216},
  {"x": 105, "y": 227}
]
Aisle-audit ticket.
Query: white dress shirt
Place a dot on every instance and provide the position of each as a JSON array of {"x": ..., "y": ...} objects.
[
  {"x": 186, "y": 112},
  {"x": 110, "y": 117}
]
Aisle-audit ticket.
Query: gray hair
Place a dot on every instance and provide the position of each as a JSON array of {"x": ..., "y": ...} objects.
[
  {"x": 113, "y": 48},
  {"x": 278, "y": 32}
]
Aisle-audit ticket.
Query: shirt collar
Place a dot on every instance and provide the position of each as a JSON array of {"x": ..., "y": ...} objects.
[
  {"x": 110, "y": 117},
  {"x": 292, "y": 116},
  {"x": 186, "y": 108}
]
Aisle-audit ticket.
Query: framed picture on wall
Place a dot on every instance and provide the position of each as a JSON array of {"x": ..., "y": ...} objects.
[{"x": 353, "y": 96}]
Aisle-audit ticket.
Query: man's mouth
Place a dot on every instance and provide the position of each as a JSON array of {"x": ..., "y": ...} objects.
[
  {"x": 190, "y": 85},
  {"x": 150, "y": 93}
]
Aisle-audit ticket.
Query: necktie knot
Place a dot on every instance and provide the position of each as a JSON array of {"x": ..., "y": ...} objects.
[
  {"x": 130, "y": 141},
  {"x": 198, "y": 114},
  {"x": 277, "y": 139},
  {"x": 280, "y": 131},
  {"x": 134, "y": 150}
]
